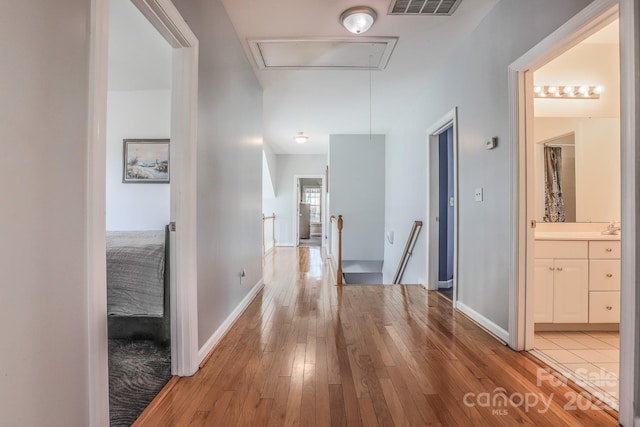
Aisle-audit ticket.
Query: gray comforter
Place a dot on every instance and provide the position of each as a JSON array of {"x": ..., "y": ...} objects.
[{"x": 135, "y": 273}]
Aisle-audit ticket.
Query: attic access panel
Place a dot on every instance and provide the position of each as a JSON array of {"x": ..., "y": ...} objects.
[
  {"x": 323, "y": 54},
  {"x": 423, "y": 7}
]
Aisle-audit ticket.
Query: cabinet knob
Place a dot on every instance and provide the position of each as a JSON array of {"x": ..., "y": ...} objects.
[
  {"x": 609, "y": 250},
  {"x": 609, "y": 275},
  {"x": 609, "y": 308},
  {"x": 551, "y": 268},
  {"x": 559, "y": 269}
]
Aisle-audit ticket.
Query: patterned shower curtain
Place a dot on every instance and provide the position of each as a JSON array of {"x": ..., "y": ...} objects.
[{"x": 553, "y": 201}]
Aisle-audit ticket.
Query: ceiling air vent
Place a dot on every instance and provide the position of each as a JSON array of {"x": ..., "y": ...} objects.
[{"x": 423, "y": 7}]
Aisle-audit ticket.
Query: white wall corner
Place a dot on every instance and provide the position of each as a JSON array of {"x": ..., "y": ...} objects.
[
  {"x": 213, "y": 341},
  {"x": 494, "y": 329}
]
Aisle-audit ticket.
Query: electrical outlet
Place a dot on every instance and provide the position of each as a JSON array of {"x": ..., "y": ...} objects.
[{"x": 478, "y": 195}]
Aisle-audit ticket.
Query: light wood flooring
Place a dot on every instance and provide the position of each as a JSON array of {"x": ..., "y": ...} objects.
[{"x": 308, "y": 353}]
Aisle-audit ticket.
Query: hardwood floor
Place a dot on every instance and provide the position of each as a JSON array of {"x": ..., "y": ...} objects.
[{"x": 308, "y": 353}]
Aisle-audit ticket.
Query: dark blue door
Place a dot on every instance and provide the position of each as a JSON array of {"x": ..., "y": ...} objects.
[{"x": 445, "y": 211}]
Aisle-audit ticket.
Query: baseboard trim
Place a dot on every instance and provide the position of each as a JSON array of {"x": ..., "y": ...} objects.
[
  {"x": 445, "y": 284},
  {"x": 205, "y": 352},
  {"x": 284, "y": 245},
  {"x": 483, "y": 322}
]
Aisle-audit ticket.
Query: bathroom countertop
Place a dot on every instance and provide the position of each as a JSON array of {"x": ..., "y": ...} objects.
[{"x": 575, "y": 235}]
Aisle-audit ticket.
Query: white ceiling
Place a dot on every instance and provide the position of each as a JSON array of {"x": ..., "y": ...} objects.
[{"x": 324, "y": 102}]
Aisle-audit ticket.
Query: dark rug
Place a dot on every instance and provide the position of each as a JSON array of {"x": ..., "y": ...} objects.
[{"x": 137, "y": 372}]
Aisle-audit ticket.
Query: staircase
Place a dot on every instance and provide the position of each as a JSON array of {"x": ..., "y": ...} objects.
[{"x": 362, "y": 272}]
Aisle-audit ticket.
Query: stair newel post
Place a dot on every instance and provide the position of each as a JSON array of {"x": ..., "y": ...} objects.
[
  {"x": 273, "y": 230},
  {"x": 340, "y": 223}
]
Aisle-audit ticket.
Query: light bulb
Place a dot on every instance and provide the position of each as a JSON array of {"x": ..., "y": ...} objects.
[
  {"x": 537, "y": 89},
  {"x": 598, "y": 89},
  {"x": 584, "y": 90},
  {"x": 301, "y": 138},
  {"x": 553, "y": 89}
]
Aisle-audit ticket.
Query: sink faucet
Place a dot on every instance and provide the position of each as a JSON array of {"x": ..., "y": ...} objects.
[{"x": 612, "y": 228}]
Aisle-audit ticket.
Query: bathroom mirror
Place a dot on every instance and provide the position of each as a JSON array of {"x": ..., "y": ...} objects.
[
  {"x": 580, "y": 159},
  {"x": 582, "y": 136}
]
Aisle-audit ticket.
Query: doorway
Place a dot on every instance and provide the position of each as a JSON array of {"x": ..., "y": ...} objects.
[
  {"x": 163, "y": 15},
  {"x": 138, "y": 200},
  {"x": 442, "y": 206},
  {"x": 573, "y": 208},
  {"x": 309, "y": 210}
]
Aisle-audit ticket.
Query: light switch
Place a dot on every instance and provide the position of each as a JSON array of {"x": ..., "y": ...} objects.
[
  {"x": 451, "y": 201},
  {"x": 478, "y": 194}
]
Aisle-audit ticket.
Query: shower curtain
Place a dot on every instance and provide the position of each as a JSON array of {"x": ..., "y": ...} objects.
[{"x": 553, "y": 201}]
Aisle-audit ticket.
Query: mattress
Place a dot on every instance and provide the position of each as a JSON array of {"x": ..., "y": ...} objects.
[{"x": 135, "y": 273}]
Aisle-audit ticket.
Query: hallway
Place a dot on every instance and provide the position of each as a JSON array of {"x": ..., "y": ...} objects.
[{"x": 308, "y": 353}]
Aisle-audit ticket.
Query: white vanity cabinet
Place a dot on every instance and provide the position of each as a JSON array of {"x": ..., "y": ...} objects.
[
  {"x": 604, "y": 282},
  {"x": 577, "y": 281},
  {"x": 562, "y": 282}
]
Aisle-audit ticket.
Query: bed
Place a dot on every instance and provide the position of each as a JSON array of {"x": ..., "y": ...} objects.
[{"x": 137, "y": 285}]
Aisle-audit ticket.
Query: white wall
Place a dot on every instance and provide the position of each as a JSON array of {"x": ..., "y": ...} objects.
[
  {"x": 475, "y": 80},
  {"x": 597, "y": 148},
  {"x": 269, "y": 169},
  {"x": 229, "y": 166},
  {"x": 283, "y": 204},
  {"x": 131, "y": 115},
  {"x": 357, "y": 189},
  {"x": 43, "y": 289},
  {"x": 586, "y": 63}
]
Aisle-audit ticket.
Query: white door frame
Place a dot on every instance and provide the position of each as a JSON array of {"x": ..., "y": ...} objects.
[
  {"x": 593, "y": 17},
  {"x": 297, "y": 191},
  {"x": 184, "y": 339},
  {"x": 445, "y": 122}
]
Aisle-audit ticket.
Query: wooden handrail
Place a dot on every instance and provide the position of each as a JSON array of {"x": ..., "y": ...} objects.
[
  {"x": 340, "y": 225},
  {"x": 408, "y": 251},
  {"x": 273, "y": 231}
]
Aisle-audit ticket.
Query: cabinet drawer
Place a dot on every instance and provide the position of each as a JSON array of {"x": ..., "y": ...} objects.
[
  {"x": 568, "y": 249},
  {"x": 606, "y": 250},
  {"x": 604, "y": 307},
  {"x": 604, "y": 275}
]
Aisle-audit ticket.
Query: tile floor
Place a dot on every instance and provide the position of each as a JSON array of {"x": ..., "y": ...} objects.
[{"x": 590, "y": 359}]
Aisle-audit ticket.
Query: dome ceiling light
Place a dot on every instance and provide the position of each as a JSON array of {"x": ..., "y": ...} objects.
[
  {"x": 301, "y": 138},
  {"x": 359, "y": 19}
]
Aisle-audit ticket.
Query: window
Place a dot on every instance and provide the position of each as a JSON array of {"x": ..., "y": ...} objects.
[{"x": 311, "y": 195}]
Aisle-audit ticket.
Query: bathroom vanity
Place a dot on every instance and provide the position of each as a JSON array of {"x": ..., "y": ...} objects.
[{"x": 577, "y": 277}]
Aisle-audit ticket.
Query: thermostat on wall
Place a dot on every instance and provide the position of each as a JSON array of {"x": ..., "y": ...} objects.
[{"x": 492, "y": 143}]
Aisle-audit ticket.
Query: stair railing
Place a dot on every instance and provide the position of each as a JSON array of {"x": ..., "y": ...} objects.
[
  {"x": 408, "y": 251},
  {"x": 271, "y": 218},
  {"x": 336, "y": 245}
]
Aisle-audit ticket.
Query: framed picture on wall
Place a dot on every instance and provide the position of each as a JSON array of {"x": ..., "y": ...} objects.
[{"x": 145, "y": 161}]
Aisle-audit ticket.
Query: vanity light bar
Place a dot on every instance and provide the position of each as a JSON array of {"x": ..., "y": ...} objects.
[{"x": 568, "y": 92}]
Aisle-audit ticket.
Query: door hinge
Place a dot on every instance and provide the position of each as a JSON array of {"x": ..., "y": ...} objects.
[{"x": 172, "y": 226}]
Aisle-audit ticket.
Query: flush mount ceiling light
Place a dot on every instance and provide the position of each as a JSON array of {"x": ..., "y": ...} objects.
[
  {"x": 359, "y": 19},
  {"x": 301, "y": 138},
  {"x": 568, "y": 92}
]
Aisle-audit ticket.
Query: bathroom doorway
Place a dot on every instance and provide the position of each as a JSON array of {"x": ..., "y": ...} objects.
[{"x": 573, "y": 173}]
